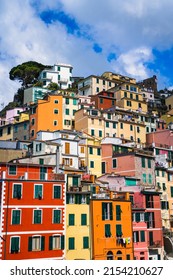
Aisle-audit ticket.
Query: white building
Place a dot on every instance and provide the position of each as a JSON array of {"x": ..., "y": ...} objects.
[{"x": 60, "y": 73}]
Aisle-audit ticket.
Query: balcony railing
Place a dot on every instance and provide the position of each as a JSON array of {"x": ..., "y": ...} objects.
[{"x": 154, "y": 244}]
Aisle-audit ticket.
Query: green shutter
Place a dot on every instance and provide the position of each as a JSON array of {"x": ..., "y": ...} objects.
[
  {"x": 62, "y": 242},
  {"x": 107, "y": 230},
  {"x": 137, "y": 217},
  {"x": 118, "y": 230},
  {"x": 14, "y": 244},
  {"x": 111, "y": 212},
  {"x": 30, "y": 244},
  {"x": 88, "y": 199},
  {"x": 149, "y": 163},
  {"x": 57, "y": 217},
  {"x": 57, "y": 192},
  {"x": 71, "y": 220},
  {"x": 38, "y": 191},
  {"x": 37, "y": 216},
  {"x": 143, "y": 162},
  {"x": 171, "y": 191},
  {"x": 85, "y": 242},
  {"x": 42, "y": 242},
  {"x": 118, "y": 212},
  {"x": 103, "y": 210},
  {"x": 142, "y": 235},
  {"x": 146, "y": 215},
  {"x": 17, "y": 191},
  {"x": 50, "y": 242},
  {"x": 16, "y": 217},
  {"x": 67, "y": 198},
  {"x": 71, "y": 243},
  {"x": 83, "y": 219}
]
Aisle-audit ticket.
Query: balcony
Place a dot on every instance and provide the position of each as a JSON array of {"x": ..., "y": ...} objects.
[{"x": 154, "y": 244}]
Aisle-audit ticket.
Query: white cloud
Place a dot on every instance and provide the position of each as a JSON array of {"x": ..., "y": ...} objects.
[
  {"x": 131, "y": 29},
  {"x": 133, "y": 62}
]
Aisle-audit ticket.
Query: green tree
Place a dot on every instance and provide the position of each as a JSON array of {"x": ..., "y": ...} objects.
[
  {"x": 27, "y": 73},
  {"x": 52, "y": 86}
]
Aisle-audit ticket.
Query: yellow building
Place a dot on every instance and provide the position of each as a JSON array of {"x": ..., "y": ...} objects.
[
  {"x": 6, "y": 132},
  {"x": 78, "y": 238},
  {"x": 129, "y": 96},
  {"x": 90, "y": 155}
]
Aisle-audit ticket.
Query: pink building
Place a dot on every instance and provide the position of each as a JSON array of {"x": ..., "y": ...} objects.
[{"x": 160, "y": 138}]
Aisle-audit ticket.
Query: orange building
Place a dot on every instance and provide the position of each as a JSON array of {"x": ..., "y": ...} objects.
[
  {"x": 32, "y": 208},
  {"x": 111, "y": 227},
  {"x": 46, "y": 114}
]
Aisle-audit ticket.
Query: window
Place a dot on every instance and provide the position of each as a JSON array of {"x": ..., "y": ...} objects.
[
  {"x": 83, "y": 219},
  {"x": 121, "y": 125},
  {"x": 142, "y": 236},
  {"x": 57, "y": 216},
  {"x": 107, "y": 124},
  {"x": 109, "y": 116},
  {"x": 67, "y": 111},
  {"x": 150, "y": 179},
  {"x": 1, "y": 132},
  {"x": 71, "y": 219},
  {"x": 37, "y": 216},
  {"x": 36, "y": 243},
  {"x": 71, "y": 199},
  {"x": 12, "y": 170},
  {"x": 55, "y": 123},
  {"x": 85, "y": 242},
  {"x": 16, "y": 217},
  {"x": 136, "y": 236},
  {"x": 107, "y": 213},
  {"x": 118, "y": 212},
  {"x": 56, "y": 101},
  {"x": 98, "y": 151},
  {"x": 107, "y": 230},
  {"x": 119, "y": 230},
  {"x": 114, "y": 163},
  {"x": 15, "y": 245},
  {"x": 32, "y": 121},
  {"x": 125, "y": 94},
  {"x": 131, "y": 127},
  {"x": 56, "y": 242},
  {"x": 57, "y": 192},
  {"x": 91, "y": 164},
  {"x": 144, "y": 178},
  {"x": 114, "y": 125},
  {"x": 74, "y": 101},
  {"x": 32, "y": 133},
  {"x": 143, "y": 162},
  {"x": 38, "y": 191},
  {"x": 92, "y": 132},
  {"x": 55, "y": 111},
  {"x": 43, "y": 172},
  {"x": 9, "y": 130},
  {"x": 138, "y": 129},
  {"x": 15, "y": 128},
  {"x": 171, "y": 188},
  {"x": 149, "y": 163},
  {"x": 101, "y": 100},
  {"x": 103, "y": 167},
  {"x": 100, "y": 133},
  {"x": 38, "y": 147},
  {"x": 74, "y": 112},
  {"x": 90, "y": 150},
  {"x": 97, "y": 89},
  {"x": 67, "y": 148},
  {"x": 17, "y": 191},
  {"x": 97, "y": 80},
  {"x": 71, "y": 243}
]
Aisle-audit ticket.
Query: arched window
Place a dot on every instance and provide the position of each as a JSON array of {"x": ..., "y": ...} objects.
[
  {"x": 110, "y": 255},
  {"x": 119, "y": 255}
]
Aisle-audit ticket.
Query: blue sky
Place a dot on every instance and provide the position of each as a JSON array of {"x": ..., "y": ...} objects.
[{"x": 133, "y": 38}]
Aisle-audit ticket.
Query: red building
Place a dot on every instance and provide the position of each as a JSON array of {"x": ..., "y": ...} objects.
[
  {"x": 32, "y": 208},
  {"x": 104, "y": 100}
]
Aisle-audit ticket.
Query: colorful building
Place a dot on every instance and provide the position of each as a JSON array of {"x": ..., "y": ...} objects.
[{"x": 32, "y": 212}]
